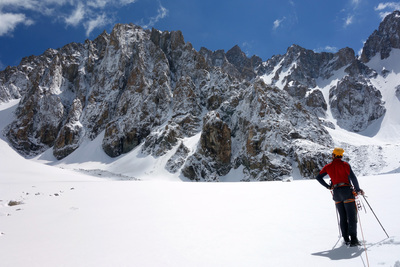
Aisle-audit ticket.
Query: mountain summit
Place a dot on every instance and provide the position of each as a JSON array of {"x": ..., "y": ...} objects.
[{"x": 383, "y": 40}]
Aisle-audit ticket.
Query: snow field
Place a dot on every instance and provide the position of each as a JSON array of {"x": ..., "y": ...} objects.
[{"x": 70, "y": 219}]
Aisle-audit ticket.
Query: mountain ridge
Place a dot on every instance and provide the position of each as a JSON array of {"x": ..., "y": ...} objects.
[{"x": 152, "y": 89}]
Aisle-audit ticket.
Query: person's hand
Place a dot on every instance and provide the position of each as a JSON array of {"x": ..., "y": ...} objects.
[{"x": 361, "y": 192}]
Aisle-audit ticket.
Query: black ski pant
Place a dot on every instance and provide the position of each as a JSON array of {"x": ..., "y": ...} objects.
[{"x": 345, "y": 204}]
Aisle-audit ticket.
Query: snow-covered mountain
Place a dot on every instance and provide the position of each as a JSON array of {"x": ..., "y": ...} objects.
[{"x": 202, "y": 115}]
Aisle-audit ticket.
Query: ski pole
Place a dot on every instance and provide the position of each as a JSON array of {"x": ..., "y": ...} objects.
[
  {"x": 375, "y": 215},
  {"x": 338, "y": 223},
  {"x": 362, "y": 232},
  {"x": 337, "y": 217}
]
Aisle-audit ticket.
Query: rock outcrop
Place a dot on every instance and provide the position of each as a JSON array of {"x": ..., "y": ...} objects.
[
  {"x": 266, "y": 127},
  {"x": 383, "y": 40}
]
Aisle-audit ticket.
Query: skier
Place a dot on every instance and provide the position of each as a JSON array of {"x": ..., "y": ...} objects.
[{"x": 342, "y": 179}]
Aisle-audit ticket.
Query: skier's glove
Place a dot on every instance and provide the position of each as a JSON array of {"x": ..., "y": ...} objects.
[{"x": 361, "y": 192}]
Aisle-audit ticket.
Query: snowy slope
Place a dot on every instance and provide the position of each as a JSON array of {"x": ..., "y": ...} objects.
[
  {"x": 67, "y": 218},
  {"x": 389, "y": 130}
]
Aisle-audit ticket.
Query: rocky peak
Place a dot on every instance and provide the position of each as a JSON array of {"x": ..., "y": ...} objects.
[
  {"x": 309, "y": 63},
  {"x": 167, "y": 41},
  {"x": 344, "y": 56},
  {"x": 122, "y": 35},
  {"x": 234, "y": 62},
  {"x": 294, "y": 52},
  {"x": 236, "y": 56},
  {"x": 218, "y": 59},
  {"x": 214, "y": 58},
  {"x": 384, "y": 39},
  {"x": 246, "y": 66},
  {"x": 100, "y": 43}
]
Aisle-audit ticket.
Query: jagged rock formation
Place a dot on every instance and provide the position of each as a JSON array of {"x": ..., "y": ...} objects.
[
  {"x": 234, "y": 62},
  {"x": 355, "y": 103},
  {"x": 384, "y": 39},
  {"x": 12, "y": 84},
  {"x": 70, "y": 134},
  {"x": 260, "y": 128},
  {"x": 151, "y": 88},
  {"x": 299, "y": 71}
]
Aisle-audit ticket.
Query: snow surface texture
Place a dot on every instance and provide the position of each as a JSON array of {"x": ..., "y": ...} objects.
[{"x": 56, "y": 217}]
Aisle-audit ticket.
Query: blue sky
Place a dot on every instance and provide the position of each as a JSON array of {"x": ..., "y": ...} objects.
[{"x": 260, "y": 27}]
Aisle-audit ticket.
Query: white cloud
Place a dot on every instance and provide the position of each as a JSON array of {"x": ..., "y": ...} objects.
[
  {"x": 351, "y": 12},
  {"x": 127, "y": 2},
  {"x": 46, "y": 7},
  {"x": 70, "y": 12},
  {"x": 328, "y": 48},
  {"x": 349, "y": 20},
  {"x": 27, "y": 4},
  {"x": 8, "y": 22},
  {"x": 331, "y": 49},
  {"x": 390, "y": 5},
  {"x": 162, "y": 12},
  {"x": 97, "y": 3},
  {"x": 387, "y": 8},
  {"x": 77, "y": 16},
  {"x": 290, "y": 19},
  {"x": 98, "y": 22},
  {"x": 101, "y": 4},
  {"x": 247, "y": 47},
  {"x": 384, "y": 14},
  {"x": 355, "y": 2},
  {"x": 277, "y": 23}
]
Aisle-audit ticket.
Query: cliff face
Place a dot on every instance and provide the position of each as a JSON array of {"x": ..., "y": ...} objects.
[
  {"x": 149, "y": 87},
  {"x": 383, "y": 40}
]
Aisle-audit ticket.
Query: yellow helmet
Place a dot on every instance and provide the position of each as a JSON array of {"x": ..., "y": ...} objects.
[{"x": 338, "y": 151}]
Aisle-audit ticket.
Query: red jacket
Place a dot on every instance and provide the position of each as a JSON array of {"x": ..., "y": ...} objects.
[{"x": 340, "y": 172}]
